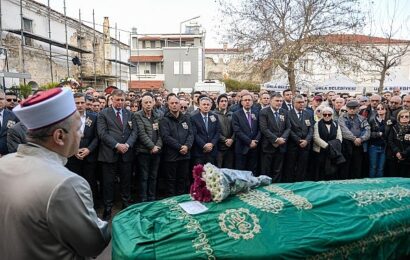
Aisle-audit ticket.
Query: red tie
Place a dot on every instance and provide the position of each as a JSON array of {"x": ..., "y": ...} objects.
[{"x": 119, "y": 118}]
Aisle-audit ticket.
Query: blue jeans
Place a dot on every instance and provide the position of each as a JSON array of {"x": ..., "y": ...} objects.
[{"x": 377, "y": 157}]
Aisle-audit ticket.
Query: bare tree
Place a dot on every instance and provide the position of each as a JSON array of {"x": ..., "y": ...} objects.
[
  {"x": 379, "y": 55},
  {"x": 283, "y": 31}
]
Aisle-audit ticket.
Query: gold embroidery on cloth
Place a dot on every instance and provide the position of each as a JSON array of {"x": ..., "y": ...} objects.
[
  {"x": 389, "y": 212},
  {"x": 262, "y": 201},
  {"x": 356, "y": 181},
  {"x": 363, "y": 244},
  {"x": 201, "y": 242},
  {"x": 298, "y": 201},
  {"x": 239, "y": 223},
  {"x": 367, "y": 197}
]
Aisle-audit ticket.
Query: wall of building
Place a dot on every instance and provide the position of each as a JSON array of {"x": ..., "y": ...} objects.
[
  {"x": 37, "y": 57},
  {"x": 180, "y": 55}
]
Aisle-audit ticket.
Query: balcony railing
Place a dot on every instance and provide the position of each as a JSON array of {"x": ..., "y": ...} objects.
[{"x": 147, "y": 77}]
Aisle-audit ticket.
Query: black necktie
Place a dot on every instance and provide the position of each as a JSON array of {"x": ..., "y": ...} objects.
[{"x": 300, "y": 116}]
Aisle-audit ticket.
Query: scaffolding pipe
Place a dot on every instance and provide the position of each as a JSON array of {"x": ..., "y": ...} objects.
[
  {"x": 22, "y": 38},
  {"x": 119, "y": 57},
  {"x": 116, "y": 64},
  {"x": 129, "y": 67},
  {"x": 49, "y": 37},
  {"x": 1, "y": 26},
  {"x": 94, "y": 60},
  {"x": 66, "y": 40},
  {"x": 80, "y": 43},
  {"x": 1, "y": 43}
]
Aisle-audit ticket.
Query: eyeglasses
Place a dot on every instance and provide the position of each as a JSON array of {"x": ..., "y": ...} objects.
[
  {"x": 11, "y": 99},
  {"x": 392, "y": 102},
  {"x": 374, "y": 100},
  {"x": 380, "y": 108},
  {"x": 327, "y": 115},
  {"x": 184, "y": 107},
  {"x": 404, "y": 116}
]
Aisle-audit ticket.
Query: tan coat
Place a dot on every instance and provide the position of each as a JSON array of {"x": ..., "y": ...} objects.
[{"x": 46, "y": 210}]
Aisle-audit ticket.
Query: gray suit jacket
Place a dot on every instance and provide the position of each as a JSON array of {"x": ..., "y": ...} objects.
[
  {"x": 15, "y": 136},
  {"x": 112, "y": 133}
]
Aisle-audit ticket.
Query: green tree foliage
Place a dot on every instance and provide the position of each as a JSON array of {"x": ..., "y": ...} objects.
[
  {"x": 235, "y": 85},
  {"x": 49, "y": 85},
  {"x": 25, "y": 90}
]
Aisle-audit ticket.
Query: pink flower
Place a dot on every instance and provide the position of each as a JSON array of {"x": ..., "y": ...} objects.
[
  {"x": 197, "y": 171},
  {"x": 199, "y": 191}
]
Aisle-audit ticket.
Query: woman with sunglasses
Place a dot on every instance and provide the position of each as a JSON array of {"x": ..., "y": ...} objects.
[
  {"x": 399, "y": 142},
  {"x": 326, "y": 132},
  {"x": 318, "y": 113},
  {"x": 378, "y": 140}
]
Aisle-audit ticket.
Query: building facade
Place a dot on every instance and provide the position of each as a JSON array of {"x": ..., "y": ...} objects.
[
  {"x": 171, "y": 61},
  {"x": 42, "y": 46},
  {"x": 354, "y": 71}
]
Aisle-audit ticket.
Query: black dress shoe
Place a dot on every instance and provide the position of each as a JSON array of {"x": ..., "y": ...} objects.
[{"x": 107, "y": 214}]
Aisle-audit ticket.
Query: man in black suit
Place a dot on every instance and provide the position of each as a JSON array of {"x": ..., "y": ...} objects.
[
  {"x": 7, "y": 120},
  {"x": 287, "y": 100},
  {"x": 117, "y": 130},
  {"x": 299, "y": 142},
  {"x": 275, "y": 128},
  {"x": 84, "y": 162},
  {"x": 206, "y": 129},
  {"x": 246, "y": 128},
  {"x": 177, "y": 137}
]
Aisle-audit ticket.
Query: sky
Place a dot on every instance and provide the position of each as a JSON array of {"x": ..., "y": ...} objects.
[{"x": 165, "y": 16}]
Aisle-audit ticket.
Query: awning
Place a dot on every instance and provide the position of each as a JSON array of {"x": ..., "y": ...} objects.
[
  {"x": 122, "y": 62},
  {"x": 49, "y": 41},
  {"x": 146, "y": 58},
  {"x": 145, "y": 84},
  {"x": 15, "y": 75}
]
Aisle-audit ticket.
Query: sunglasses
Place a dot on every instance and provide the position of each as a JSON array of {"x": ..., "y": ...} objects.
[
  {"x": 343, "y": 111},
  {"x": 11, "y": 99},
  {"x": 380, "y": 109},
  {"x": 184, "y": 107},
  {"x": 404, "y": 116},
  {"x": 327, "y": 115}
]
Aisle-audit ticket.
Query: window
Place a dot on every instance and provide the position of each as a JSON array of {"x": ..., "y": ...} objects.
[
  {"x": 148, "y": 44},
  {"x": 135, "y": 43},
  {"x": 186, "y": 68},
  {"x": 28, "y": 27},
  {"x": 176, "y": 67}
]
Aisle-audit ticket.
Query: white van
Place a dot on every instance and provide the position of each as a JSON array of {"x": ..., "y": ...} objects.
[{"x": 211, "y": 86}]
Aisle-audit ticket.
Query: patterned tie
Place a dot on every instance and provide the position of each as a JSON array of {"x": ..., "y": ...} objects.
[
  {"x": 248, "y": 115},
  {"x": 119, "y": 117},
  {"x": 206, "y": 123}
]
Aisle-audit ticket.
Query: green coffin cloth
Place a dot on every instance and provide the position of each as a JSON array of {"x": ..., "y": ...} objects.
[{"x": 367, "y": 218}]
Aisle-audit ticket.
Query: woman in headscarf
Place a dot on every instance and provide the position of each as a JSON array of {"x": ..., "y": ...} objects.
[
  {"x": 399, "y": 142},
  {"x": 327, "y": 141}
]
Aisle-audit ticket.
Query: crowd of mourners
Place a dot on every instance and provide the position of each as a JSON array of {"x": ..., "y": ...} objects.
[{"x": 145, "y": 142}]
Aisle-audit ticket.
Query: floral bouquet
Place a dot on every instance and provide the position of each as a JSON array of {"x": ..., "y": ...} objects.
[{"x": 214, "y": 184}]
